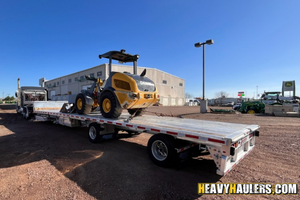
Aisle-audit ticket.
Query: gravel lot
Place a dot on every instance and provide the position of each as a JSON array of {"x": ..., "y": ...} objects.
[{"x": 40, "y": 160}]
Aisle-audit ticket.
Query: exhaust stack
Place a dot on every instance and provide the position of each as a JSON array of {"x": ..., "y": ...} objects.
[{"x": 18, "y": 83}]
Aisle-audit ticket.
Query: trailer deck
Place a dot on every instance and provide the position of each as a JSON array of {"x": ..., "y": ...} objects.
[{"x": 228, "y": 143}]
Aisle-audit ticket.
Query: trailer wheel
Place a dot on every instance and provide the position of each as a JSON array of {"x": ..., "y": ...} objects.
[
  {"x": 81, "y": 105},
  {"x": 94, "y": 133},
  {"x": 108, "y": 106},
  {"x": 161, "y": 150}
]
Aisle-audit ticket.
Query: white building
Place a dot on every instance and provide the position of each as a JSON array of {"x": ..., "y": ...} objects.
[{"x": 171, "y": 88}]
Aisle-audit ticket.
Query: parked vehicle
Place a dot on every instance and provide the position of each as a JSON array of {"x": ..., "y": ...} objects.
[
  {"x": 228, "y": 101},
  {"x": 252, "y": 107},
  {"x": 236, "y": 106},
  {"x": 196, "y": 101},
  {"x": 231, "y": 103}
]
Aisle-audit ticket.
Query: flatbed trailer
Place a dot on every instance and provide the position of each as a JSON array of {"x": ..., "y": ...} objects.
[{"x": 173, "y": 139}]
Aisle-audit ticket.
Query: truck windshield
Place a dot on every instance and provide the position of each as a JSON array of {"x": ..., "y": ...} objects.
[{"x": 34, "y": 97}]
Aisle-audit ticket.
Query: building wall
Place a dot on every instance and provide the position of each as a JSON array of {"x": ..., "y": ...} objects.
[{"x": 170, "y": 88}]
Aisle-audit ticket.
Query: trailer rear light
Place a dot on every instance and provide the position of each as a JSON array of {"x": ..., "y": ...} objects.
[{"x": 214, "y": 140}]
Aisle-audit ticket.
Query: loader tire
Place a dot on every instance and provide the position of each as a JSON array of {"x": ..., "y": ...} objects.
[
  {"x": 81, "y": 106},
  {"x": 108, "y": 106},
  {"x": 137, "y": 111}
]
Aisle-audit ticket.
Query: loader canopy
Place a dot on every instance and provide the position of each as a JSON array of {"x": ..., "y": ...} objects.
[{"x": 120, "y": 56}]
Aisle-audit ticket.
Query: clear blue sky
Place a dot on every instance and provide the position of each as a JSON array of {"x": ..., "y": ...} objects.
[{"x": 257, "y": 42}]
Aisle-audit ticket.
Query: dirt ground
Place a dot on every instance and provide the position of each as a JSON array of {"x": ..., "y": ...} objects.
[{"x": 40, "y": 160}]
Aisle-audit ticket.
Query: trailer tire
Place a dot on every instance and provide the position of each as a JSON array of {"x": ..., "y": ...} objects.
[
  {"x": 94, "y": 133},
  {"x": 108, "y": 106},
  {"x": 81, "y": 106},
  {"x": 161, "y": 150}
]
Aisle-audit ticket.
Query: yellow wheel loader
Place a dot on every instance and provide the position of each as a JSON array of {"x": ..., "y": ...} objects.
[{"x": 120, "y": 91}]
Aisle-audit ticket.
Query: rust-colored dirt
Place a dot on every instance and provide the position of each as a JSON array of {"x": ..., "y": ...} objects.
[{"x": 41, "y": 160}]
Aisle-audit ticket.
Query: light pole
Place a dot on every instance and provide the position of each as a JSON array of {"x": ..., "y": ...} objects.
[{"x": 203, "y": 105}]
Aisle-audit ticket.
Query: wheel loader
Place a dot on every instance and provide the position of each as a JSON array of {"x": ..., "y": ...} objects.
[{"x": 120, "y": 91}]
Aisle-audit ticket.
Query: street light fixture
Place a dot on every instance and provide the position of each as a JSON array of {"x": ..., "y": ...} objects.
[
  {"x": 203, "y": 105},
  {"x": 199, "y": 44}
]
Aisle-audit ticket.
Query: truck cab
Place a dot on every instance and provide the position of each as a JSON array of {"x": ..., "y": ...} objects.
[{"x": 25, "y": 97}]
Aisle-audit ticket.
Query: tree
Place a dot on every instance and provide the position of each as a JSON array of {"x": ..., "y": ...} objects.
[
  {"x": 221, "y": 94},
  {"x": 188, "y": 96},
  {"x": 8, "y": 98}
]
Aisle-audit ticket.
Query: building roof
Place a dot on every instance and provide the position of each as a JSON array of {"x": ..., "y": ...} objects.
[{"x": 104, "y": 64}]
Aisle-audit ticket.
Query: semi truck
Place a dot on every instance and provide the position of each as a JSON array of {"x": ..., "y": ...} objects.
[
  {"x": 25, "y": 96},
  {"x": 173, "y": 139}
]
